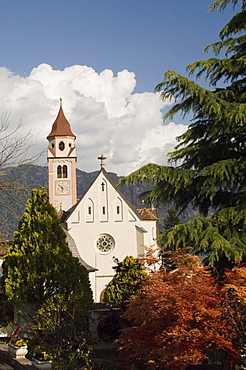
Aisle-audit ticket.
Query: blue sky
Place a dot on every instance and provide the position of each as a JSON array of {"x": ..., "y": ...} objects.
[{"x": 144, "y": 37}]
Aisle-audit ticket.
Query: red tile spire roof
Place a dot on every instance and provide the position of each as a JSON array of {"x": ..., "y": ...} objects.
[{"x": 61, "y": 126}]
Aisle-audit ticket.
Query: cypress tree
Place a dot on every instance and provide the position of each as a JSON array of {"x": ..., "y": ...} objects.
[
  {"x": 212, "y": 152},
  {"x": 39, "y": 263},
  {"x": 40, "y": 271}
]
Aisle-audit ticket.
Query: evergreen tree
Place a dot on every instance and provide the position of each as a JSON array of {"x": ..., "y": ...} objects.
[
  {"x": 39, "y": 263},
  {"x": 39, "y": 270},
  {"x": 171, "y": 219},
  {"x": 212, "y": 152},
  {"x": 126, "y": 282}
]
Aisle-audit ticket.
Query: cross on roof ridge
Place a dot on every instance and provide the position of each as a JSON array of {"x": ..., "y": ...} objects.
[{"x": 102, "y": 158}]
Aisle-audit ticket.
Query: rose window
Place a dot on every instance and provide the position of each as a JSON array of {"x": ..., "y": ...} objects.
[{"x": 105, "y": 243}]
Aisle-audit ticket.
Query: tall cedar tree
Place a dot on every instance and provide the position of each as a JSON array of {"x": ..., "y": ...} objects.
[
  {"x": 212, "y": 152},
  {"x": 126, "y": 282},
  {"x": 39, "y": 264},
  {"x": 176, "y": 319}
]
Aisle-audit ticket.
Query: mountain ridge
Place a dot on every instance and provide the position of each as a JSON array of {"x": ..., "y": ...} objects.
[{"x": 36, "y": 176}]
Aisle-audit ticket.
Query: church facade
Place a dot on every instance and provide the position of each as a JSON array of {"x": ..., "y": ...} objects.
[{"x": 102, "y": 226}]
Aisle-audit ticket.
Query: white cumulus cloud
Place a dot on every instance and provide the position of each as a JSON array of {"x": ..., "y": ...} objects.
[{"x": 105, "y": 114}]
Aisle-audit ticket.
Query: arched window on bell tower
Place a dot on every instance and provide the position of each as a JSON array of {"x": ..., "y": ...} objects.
[
  {"x": 64, "y": 171},
  {"x": 59, "y": 172}
]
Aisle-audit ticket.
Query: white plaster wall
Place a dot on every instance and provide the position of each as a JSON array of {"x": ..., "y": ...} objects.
[
  {"x": 85, "y": 230},
  {"x": 150, "y": 236}
]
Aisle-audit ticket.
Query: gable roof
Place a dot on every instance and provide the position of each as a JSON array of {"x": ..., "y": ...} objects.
[
  {"x": 61, "y": 126},
  {"x": 148, "y": 214},
  {"x": 68, "y": 213}
]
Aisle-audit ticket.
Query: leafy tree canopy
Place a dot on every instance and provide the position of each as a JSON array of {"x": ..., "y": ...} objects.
[
  {"x": 61, "y": 328},
  {"x": 126, "y": 282},
  {"x": 211, "y": 154},
  {"x": 234, "y": 306},
  {"x": 176, "y": 317}
]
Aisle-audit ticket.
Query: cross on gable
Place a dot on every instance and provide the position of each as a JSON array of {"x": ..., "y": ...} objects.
[{"x": 102, "y": 159}]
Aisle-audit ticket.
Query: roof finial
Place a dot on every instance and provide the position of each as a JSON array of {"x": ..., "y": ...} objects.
[
  {"x": 102, "y": 158},
  {"x": 60, "y": 102}
]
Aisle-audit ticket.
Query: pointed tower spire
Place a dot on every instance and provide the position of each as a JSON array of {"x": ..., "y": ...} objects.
[
  {"x": 62, "y": 163},
  {"x": 61, "y": 126}
]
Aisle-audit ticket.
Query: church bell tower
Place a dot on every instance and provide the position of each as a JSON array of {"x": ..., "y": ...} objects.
[{"x": 62, "y": 163}]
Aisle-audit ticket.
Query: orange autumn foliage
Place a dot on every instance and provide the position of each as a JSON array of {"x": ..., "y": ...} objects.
[
  {"x": 234, "y": 307},
  {"x": 235, "y": 279},
  {"x": 176, "y": 318}
]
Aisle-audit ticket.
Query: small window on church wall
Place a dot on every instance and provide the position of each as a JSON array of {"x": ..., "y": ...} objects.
[
  {"x": 118, "y": 210},
  {"x": 61, "y": 145},
  {"x": 52, "y": 145},
  {"x": 103, "y": 210},
  {"x": 64, "y": 171},
  {"x": 59, "y": 172},
  {"x": 103, "y": 186},
  {"x": 89, "y": 211},
  {"x": 153, "y": 233}
]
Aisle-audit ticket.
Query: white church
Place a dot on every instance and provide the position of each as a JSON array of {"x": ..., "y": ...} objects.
[{"x": 103, "y": 224}]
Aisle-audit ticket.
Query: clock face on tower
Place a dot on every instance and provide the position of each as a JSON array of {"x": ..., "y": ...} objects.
[{"x": 62, "y": 187}]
